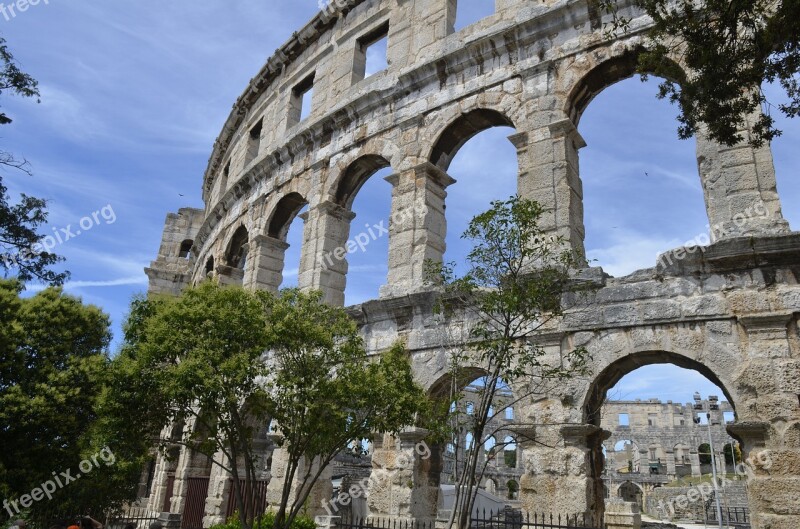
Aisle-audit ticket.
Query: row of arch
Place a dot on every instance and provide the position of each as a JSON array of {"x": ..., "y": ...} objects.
[{"x": 348, "y": 175}]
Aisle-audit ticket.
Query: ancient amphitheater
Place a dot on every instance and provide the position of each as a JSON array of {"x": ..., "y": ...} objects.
[{"x": 729, "y": 310}]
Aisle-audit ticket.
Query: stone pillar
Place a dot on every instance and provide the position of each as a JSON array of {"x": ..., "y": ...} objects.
[
  {"x": 323, "y": 265},
  {"x": 694, "y": 460},
  {"x": 159, "y": 489},
  {"x": 418, "y": 227},
  {"x": 405, "y": 477},
  {"x": 671, "y": 463},
  {"x": 182, "y": 472},
  {"x": 321, "y": 491},
  {"x": 559, "y": 480},
  {"x": 622, "y": 515},
  {"x": 548, "y": 174},
  {"x": 740, "y": 188},
  {"x": 219, "y": 488},
  {"x": 267, "y": 258}
]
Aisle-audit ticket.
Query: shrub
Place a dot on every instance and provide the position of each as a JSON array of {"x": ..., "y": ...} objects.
[{"x": 266, "y": 522}]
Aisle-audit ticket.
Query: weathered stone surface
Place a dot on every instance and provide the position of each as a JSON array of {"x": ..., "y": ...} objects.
[{"x": 728, "y": 309}]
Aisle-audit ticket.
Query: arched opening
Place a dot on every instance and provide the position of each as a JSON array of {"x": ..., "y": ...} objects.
[
  {"x": 786, "y": 156},
  {"x": 660, "y": 443},
  {"x": 476, "y": 152},
  {"x": 513, "y": 489},
  {"x": 496, "y": 444},
  {"x": 625, "y": 458},
  {"x": 362, "y": 193},
  {"x": 285, "y": 212},
  {"x": 461, "y": 131},
  {"x": 209, "y": 266},
  {"x": 285, "y": 231},
  {"x": 235, "y": 258},
  {"x": 631, "y": 492},
  {"x": 184, "y": 252},
  {"x": 642, "y": 192},
  {"x": 236, "y": 255}
]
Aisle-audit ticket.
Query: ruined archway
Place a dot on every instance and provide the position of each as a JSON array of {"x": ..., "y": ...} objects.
[{"x": 653, "y": 442}]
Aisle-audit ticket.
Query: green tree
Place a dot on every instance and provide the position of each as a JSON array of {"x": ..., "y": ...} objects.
[
  {"x": 232, "y": 362},
  {"x": 514, "y": 288},
  {"x": 326, "y": 393},
  {"x": 194, "y": 361},
  {"x": 732, "y": 48},
  {"x": 21, "y": 249},
  {"x": 53, "y": 355}
]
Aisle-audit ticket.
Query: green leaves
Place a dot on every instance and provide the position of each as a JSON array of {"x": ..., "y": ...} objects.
[
  {"x": 732, "y": 48},
  {"x": 53, "y": 361},
  {"x": 228, "y": 362}
]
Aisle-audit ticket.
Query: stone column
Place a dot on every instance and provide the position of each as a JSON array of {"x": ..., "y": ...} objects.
[
  {"x": 219, "y": 488},
  {"x": 323, "y": 265},
  {"x": 740, "y": 188},
  {"x": 321, "y": 491},
  {"x": 559, "y": 480},
  {"x": 159, "y": 489},
  {"x": 671, "y": 463},
  {"x": 694, "y": 460},
  {"x": 405, "y": 477},
  {"x": 182, "y": 472},
  {"x": 770, "y": 434},
  {"x": 418, "y": 227},
  {"x": 267, "y": 258},
  {"x": 548, "y": 174}
]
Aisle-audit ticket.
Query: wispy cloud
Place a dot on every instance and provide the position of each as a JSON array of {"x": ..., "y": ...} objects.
[{"x": 72, "y": 285}]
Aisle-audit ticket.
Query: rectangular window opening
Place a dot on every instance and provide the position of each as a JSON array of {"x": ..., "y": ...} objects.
[
  {"x": 624, "y": 419},
  {"x": 371, "y": 53},
  {"x": 466, "y": 13},
  {"x": 253, "y": 143},
  {"x": 300, "y": 104}
]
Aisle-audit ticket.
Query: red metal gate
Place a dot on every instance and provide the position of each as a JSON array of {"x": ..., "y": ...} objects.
[
  {"x": 195, "y": 507},
  {"x": 260, "y": 497}
]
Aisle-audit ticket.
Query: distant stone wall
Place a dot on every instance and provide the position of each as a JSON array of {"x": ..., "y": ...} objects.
[{"x": 673, "y": 503}]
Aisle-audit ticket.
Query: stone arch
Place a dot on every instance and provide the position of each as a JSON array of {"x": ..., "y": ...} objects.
[
  {"x": 355, "y": 176},
  {"x": 630, "y": 491},
  {"x": 185, "y": 249},
  {"x": 461, "y": 130},
  {"x": 612, "y": 373},
  {"x": 350, "y": 170},
  {"x": 615, "y": 67},
  {"x": 236, "y": 249},
  {"x": 283, "y": 214}
]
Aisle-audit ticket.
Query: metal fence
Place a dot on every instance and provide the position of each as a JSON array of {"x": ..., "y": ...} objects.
[
  {"x": 512, "y": 519},
  {"x": 135, "y": 517},
  {"x": 738, "y": 517},
  {"x": 506, "y": 519}
]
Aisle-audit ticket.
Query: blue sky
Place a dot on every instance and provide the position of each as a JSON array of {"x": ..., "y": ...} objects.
[{"x": 135, "y": 93}]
